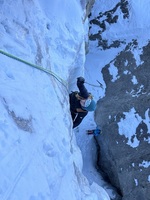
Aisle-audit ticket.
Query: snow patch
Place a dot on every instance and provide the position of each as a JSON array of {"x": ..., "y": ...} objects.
[
  {"x": 133, "y": 165},
  {"x": 136, "y": 182},
  {"x": 145, "y": 164},
  {"x": 149, "y": 178},
  {"x": 138, "y": 92},
  {"x": 114, "y": 72},
  {"x": 127, "y": 127},
  {"x": 99, "y": 191},
  {"x": 147, "y": 121},
  {"x": 134, "y": 80},
  {"x": 126, "y": 72},
  {"x": 137, "y": 52}
]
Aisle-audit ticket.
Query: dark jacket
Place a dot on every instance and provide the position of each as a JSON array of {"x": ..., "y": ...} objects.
[{"x": 77, "y": 112}]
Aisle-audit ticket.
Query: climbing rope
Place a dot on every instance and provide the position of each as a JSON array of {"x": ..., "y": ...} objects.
[{"x": 64, "y": 83}]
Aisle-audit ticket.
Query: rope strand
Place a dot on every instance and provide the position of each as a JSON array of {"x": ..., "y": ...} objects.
[{"x": 64, "y": 83}]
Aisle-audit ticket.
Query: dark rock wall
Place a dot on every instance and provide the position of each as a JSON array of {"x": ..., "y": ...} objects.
[
  {"x": 117, "y": 157},
  {"x": 119, "y": 160}
]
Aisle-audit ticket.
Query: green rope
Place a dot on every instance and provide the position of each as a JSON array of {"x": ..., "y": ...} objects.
[{"x": 35, "y": 66}]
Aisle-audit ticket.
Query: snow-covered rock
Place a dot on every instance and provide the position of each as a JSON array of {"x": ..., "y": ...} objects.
[
  {"x": 117, "y": 29},
  {"x": 39, "y": 158}
]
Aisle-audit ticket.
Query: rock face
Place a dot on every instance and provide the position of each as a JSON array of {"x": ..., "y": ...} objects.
[
  {"x": 87, "y": 5},
  {"x": 124, "y": 113},
  {"x": 126, "y": 159}
]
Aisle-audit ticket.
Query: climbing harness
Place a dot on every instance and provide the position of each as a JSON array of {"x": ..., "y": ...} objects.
[{"x": 64, "y": 83}]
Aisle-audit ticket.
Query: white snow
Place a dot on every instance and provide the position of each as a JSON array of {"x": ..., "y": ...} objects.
[
  {"x": 144, "y": 164},
  {"x": 114, "y": 72},
  {"x": 136, "y": 182},
  {"x": 39, "y": 156},
  {"x": 149, "y": 178},
  {"x": 38, "y": 152},
  {"x": 133, "y": 165},
  {"x": 147, "y": 121},
  {"x": 96, "y": 59},
  {"x": 134, "y": 80},
  {"x": 139, "y": 91},
  {"x": 126, "y": 72},
  {"x": 127, "y": 127},
  {"x": 137, "y": 52}
]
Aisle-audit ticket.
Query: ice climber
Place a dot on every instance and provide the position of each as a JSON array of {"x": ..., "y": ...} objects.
[{"x": 80, "y": 103}]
